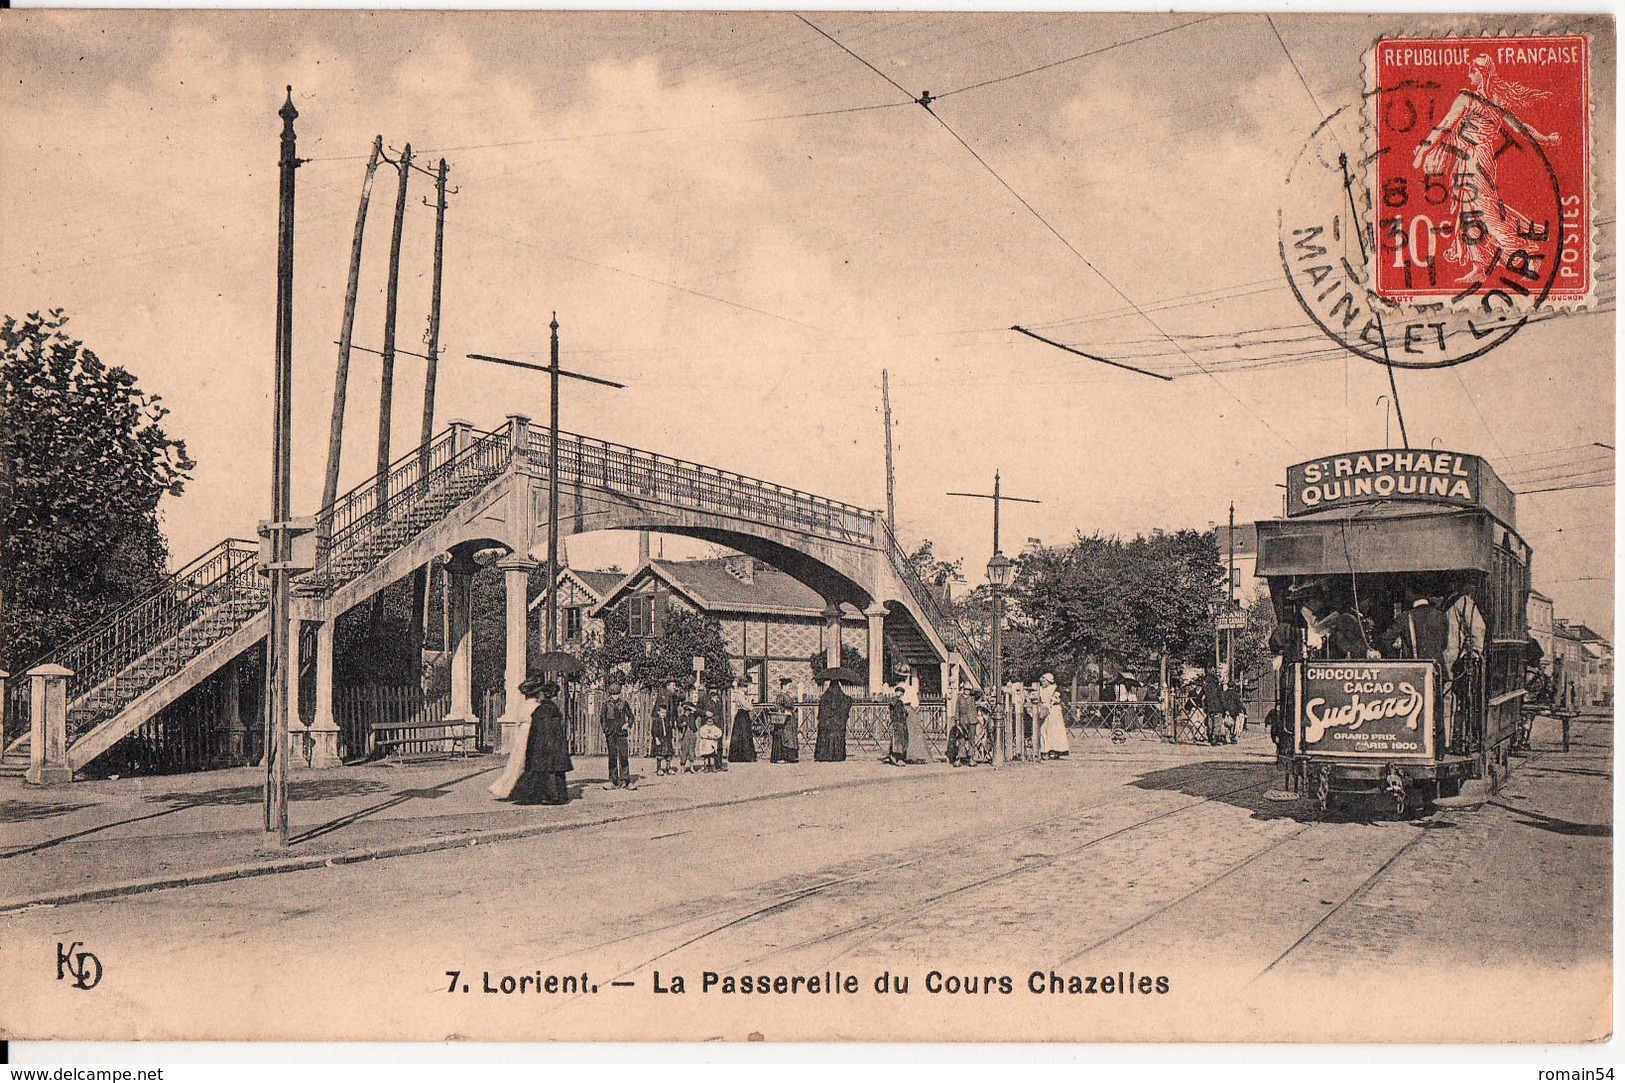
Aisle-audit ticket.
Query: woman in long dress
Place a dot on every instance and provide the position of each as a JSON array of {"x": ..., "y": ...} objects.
[
  {"x": 1053, "y": 734},
  {"x": 547, "y": 755},
  {"x": 834, "y": 711},
  {"x": 742, "y": 745},
  {"x": 897, "y": 714},
  {"x": 917, "y": 751}
]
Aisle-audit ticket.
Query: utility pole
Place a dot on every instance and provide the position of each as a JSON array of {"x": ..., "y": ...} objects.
[
  {"x": 1230, "y": 591},
  {"x": 341, "y": 379},
  {"x": 420, "y": 578},
  {"x": 279, "y": 665},
  {"x": 891, "y": 477},
  {"x": 998, "y": 568},
  {"x": 554, "y": 374},
  {"x": 386, "y": 391}
]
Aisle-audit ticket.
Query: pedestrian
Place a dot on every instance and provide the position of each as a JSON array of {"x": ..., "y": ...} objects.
[
  {"x": 962, "y": 728},
  {"x": 785, "y": 722},
  {"x": 1236, "y": 709},
  {"x": 708, "y": 744},
  {"x": 917, "y": 750},
  {"x": 710, "y": 702},
  {"x": 897, "y": 714},
  {"x": 662, "y": 737},
  {"x": 1053, "y": 734},
  {"x": 834, "y": 711},
  {"x": 688, "y": 726},
  {"x": 615, "y": 717},
  {"x": 1210, "y": 695},
  {"x": 742, "y": 745},
  {"x": 547, "y": 751}
]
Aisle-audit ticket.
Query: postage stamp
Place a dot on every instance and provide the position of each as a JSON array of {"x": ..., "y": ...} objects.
[{"x": 1480, "y": 179}]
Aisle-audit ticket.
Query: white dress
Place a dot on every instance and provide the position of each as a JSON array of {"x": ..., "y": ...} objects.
[{"x": 1053, "y": 734}]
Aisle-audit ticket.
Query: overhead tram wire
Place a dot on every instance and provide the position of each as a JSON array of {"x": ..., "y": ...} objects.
[
  {"x": 925, "y": 100},
  {"x": 644, "y": 278},
  {"x": 1057, "y": 63}
]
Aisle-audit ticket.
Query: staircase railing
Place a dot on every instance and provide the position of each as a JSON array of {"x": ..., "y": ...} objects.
[
  {"x": 225, "y": 573},
  {"x": 646, "y": 474},
  {"x": 370, "y": 506},
  {"x": 952, "y": 631}
]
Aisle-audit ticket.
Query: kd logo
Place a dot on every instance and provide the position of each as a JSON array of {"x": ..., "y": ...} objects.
[{"x": 82, "y": 966}]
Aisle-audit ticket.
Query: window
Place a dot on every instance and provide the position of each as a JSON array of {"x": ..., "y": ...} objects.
[
  {"x": 572, "y": 624},
  {"x": 640, "y": 622}
]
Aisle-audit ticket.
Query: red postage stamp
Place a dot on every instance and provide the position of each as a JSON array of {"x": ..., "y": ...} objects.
[{"x": 1481, "y": 172}]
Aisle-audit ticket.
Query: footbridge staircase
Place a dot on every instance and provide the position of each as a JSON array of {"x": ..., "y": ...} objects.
[{"x": 471, "y": 490}]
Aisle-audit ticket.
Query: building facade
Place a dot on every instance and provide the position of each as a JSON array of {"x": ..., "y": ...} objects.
[{"x": 772, "y": 624}]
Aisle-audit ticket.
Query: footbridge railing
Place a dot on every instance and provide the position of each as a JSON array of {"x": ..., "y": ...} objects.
[{"x": 647, "y": 475}]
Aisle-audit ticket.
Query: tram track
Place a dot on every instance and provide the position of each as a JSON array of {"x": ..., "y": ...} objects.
[{"x": 865, "y": 929}]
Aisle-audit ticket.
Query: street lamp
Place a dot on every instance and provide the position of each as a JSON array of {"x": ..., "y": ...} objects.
[{"x": 1001, "y": 571}]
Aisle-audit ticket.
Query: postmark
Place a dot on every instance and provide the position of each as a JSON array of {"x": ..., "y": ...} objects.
[{"x": 1480, "y": 174}]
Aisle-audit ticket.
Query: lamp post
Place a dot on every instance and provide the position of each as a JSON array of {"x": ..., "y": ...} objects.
[{"x": 1000, "y": 572}]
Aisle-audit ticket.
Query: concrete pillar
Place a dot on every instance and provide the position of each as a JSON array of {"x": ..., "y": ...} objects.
[
  {"x": 877, "y": 647},
  {"x": 48, "y": 725},
  {"x": 324, "y": 728},
  {"x": 236, "y": 732},
  {"x": 516, "y": 581},
  {"x": 298, "y": 743},
  {"x": 832, "y": 636},
  {"x": 519, "y": 434},
  {"x": 461, "y": 432},
  {"x": 459, "y": 577}
]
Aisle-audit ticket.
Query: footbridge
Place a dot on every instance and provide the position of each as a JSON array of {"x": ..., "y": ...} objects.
[{"x": 472, "y": 492}]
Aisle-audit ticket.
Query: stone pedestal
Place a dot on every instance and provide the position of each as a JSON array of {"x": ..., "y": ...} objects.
[
  {"x": 48, "y": 724},
  {"x": 324, "y": 730}
]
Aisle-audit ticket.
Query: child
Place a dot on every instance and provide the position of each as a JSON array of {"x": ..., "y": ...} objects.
[
  {"x": 688, "y": 722},
  {"x": 661, "y": 740},
  {"x": 708, "y": 748}
]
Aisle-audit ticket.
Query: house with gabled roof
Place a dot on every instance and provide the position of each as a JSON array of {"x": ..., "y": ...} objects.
[
  {"x": 772, "y": 624},
  {"x": 580, "y": 590}
]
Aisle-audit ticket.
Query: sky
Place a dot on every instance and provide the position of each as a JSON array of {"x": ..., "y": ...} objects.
[{"x": 744, "y": 222}]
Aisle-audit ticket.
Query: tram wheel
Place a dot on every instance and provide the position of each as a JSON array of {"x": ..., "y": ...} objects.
[{"x": 1323, "y": 793}]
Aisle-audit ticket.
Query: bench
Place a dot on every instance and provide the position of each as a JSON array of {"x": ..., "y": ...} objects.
[{"x": 424, "y": 737}]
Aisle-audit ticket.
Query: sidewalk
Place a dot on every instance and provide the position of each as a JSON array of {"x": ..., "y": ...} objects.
[{"x": 104, "y": 838}]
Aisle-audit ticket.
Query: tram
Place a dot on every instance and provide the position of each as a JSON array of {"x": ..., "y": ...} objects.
[{"x": 1400, "y": 587}]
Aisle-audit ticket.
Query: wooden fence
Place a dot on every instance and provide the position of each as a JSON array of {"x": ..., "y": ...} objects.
[{"x": 358, "y": 708}]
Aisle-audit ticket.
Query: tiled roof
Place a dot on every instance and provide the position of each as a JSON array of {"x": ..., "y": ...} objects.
[{"x": 711, "y": 587}]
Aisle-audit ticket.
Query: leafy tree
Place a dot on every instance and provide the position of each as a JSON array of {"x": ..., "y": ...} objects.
[
  {"x": 651, "y": 661},
  {"x": 1251, "y": 644},
  {"x": 84, "y": 461},
  {"x": 1126, "y": 601},
  {"x": 934, "y": 572},
  {"x": 851, "y": 658}
]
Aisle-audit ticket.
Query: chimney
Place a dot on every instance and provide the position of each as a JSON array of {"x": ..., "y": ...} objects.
[
  {"x": 643, "y": 548},
  {"x": 741, "y": 567}
]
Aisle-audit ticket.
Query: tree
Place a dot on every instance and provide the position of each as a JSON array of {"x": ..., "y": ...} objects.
[
  {"x": 1124, "y": 601},
  {"x": 84, "y": 461},
  {"x": 651, "y": 661},
  {"x": 851, "y": 658},
  {"x": 933, "y": 572}
]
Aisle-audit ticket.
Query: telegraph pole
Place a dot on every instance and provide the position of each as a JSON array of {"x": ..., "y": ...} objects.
[
  {"x": 341, "y": 379},
  {"x": 279, "y": 664},
  {"x": 386, "y": 392},
  {"x": 554, "y": 375},
  {"x": 891, "y": 477},
  {"x": 1230, "y": 592},
  {"x": 420, "y": 579},
  {"x": 997, "y": 567}
]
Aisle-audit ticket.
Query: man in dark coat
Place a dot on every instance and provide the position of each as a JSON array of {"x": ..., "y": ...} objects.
[
  {"x": 1423, "y": 631},
  {"x": 615, "y": 716},
  {"x": 962, "y": 729},
  {"x": 1210, "y": 694},
  {"x": 547, "y": 753},
  {"x": 834, "y": 709}
]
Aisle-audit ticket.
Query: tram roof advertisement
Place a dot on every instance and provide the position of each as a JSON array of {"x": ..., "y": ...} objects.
[
  {"x": 1366, "y": 708},
  {"x": 1421, "y": 476}
]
